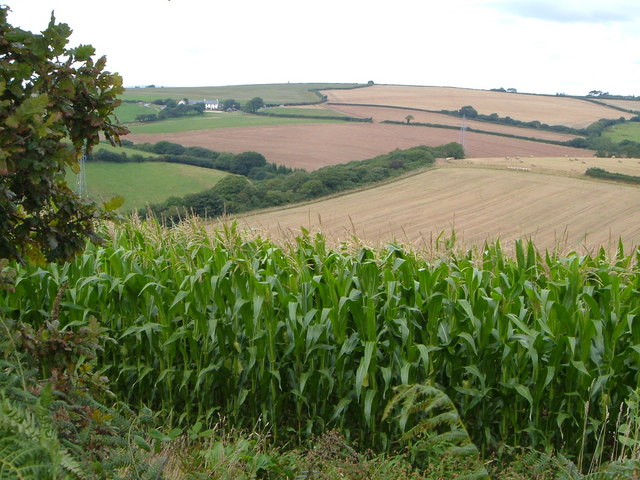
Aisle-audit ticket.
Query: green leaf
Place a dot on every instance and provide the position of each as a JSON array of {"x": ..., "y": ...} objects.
[
  {"x": 142, "y": 443},
  {"x": 83, "y": 52},
  {"x": 113, "y": 204}
]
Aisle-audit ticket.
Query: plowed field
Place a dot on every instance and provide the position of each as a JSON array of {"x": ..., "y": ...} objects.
[
  {"x": 480, "y": 204},
  {"x": 558, "y": 110},
  {"x": 315, "y": 146}
]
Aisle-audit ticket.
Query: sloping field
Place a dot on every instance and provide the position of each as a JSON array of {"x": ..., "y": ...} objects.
[
  {"x": 572, "y": 166},
  {"x": 624, "y": 131},
  {"x": 627, "y": 104},
  {"x": 270, "y": 93},
  {"x": 379, "y": 114},
  {"x": 559, "y": 110},
  {"x": 211, "y": 121},
  {"x": 479, "y": 204},
  {"x": 144, "y": 183},
  {"x": 315, "y": 146}
]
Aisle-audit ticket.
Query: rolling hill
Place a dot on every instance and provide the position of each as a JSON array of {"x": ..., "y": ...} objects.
[
  {"x": 314, "y": 146},
  {"x": 553, "y": 110}
]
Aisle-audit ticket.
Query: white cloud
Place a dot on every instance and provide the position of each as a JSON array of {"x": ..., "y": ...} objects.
[
  {"x": 537, "y": 46},
  {"x": 573, "y": 11}
]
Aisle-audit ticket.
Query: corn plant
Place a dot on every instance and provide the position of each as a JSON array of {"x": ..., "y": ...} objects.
[{"x": 533, "y": 349}]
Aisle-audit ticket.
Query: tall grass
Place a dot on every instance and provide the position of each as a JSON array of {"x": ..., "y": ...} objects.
[{"x": 533, "y": 349}]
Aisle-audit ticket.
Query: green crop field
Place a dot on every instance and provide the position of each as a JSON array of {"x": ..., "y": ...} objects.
[
  {"x": 270, "y": 93},
  {"x": 127, "y": 112},
  {"x": 535, "y": 350},
  {"x": 143, "y": 183},
  {"x": 624, "y": 131},
  {"x": 218, "y": 120}
]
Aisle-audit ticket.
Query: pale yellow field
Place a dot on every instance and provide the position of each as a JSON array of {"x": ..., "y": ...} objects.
[
  {"x": 628, "y": 104},
  {"x": 379, "y": 114},
  {"x": 571, "y": 166},
  {"x": 480, "y": 203},
  {"x": 546, "y": 109}
]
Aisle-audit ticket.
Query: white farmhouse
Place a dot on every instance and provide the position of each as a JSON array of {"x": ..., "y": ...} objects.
[{"x": 211, "y": 104}]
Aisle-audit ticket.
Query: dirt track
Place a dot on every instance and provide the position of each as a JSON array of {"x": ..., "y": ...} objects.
[{"x": 315, "y": 146}]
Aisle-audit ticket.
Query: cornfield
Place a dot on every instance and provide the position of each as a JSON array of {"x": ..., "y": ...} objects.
[{"x": 534, "y": 349}]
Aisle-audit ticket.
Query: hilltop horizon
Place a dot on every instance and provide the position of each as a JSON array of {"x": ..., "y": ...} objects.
[{"x": 506, "y": 89}]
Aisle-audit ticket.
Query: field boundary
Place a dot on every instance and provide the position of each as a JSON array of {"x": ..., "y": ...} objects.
[
  {"x": 486, "y": 132},
  {"x": 564, "y": 129},
  {"x": 345, "y": 118}
]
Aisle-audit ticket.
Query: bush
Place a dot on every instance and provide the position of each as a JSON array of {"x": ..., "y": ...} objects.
[
  {"x": 620, "y": 177},
  {"x": 168, "y": 147}
]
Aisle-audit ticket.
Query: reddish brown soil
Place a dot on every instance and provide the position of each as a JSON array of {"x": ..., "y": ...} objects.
[{"x": 315, "y": 146}]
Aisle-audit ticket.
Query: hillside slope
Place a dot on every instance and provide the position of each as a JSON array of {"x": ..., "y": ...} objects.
[
  {"x": 559, "y": 110},
  {"x": 315, "y": 146},
  {"x": 479, "y": 204}
]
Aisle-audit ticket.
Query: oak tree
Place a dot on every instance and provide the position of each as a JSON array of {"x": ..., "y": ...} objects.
[{"x": 55, "y": 102}]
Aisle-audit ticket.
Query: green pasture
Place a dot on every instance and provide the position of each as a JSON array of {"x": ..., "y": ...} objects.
[
  {"x": 270, "y": 93},
  {"x": 218, "y": 120},
  {"x": 127, "y": 112},
  {"x": 318, "y": 112},
  {"x": 624, "y": 131},
  {"x": 143, "y": 183}
]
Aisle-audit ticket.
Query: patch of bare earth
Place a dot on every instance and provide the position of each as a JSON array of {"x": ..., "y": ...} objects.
[
  {"x": 315, "y": 146},
  {"x": 478, "y": 203},
  {"x": 551, "y": 110},
  {"x": 379, "y": 114}
]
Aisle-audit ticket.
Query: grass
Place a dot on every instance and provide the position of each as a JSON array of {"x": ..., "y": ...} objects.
[
  {"x": 127, "y": 112},
  {"x": 218, "y": 120},
  {"x": 144, "y": 183},
  {"x": 270, "y": 93},
  {"x": 624, "y": 131}
]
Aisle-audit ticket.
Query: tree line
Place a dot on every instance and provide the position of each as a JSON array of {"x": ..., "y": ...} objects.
[
  {"x": 250, "y": 164},
  {"x": 619, "y": 177},
  {"x": 281, "y": 186}
]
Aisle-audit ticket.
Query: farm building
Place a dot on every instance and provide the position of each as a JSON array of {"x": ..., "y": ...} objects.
[
  {"x": 211, "y": 104},
  {"x": 208, "y": 104}
]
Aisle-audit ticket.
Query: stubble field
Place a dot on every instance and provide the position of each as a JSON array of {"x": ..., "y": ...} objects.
[
  {"x": 479, "y": 203},
  {"x": 633, "y": 105},
  {"x": 552, "y": 110}
]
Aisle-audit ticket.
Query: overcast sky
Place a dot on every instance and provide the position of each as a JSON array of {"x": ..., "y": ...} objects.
[{"x": 537, "y": 46}]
